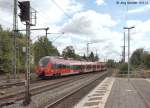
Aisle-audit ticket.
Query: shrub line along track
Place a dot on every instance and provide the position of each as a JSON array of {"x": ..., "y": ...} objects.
[
  {"x": 13, "y": 97},
  {"x": 53, "y": 104}
]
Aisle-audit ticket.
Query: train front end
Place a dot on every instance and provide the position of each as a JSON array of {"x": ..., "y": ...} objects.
[{"x": 44, "y": 67}]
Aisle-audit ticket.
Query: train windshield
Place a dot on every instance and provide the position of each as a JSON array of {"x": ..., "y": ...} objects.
[{"x": 44, "y": 61}]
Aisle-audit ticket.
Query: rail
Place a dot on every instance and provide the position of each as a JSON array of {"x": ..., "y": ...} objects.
[
  {"x": 13, "y": 97},
  {"x": 51, "y": 105}
]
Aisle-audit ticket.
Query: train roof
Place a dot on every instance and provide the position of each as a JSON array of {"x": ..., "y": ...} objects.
[{"x": 58, "y": 60}]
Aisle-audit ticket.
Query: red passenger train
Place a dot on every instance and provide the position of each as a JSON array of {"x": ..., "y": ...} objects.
[{"x": 55, "y": 66}]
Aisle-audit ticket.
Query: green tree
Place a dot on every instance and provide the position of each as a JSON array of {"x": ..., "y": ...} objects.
[
  {"x": 123, "y": 68},
  {"x": 110, "y": 63},
  {"x": 1, "y": 29},
  {"x": 84, "y": 57},
  {"x": 69, "y": 52},
  {"x": 96, "y": 57},
  {"x": 21, "y": 42},
  {"x": 43, "y": 47},
  {"x": 6, "y": 51},
  {"x": 91, "y": 56},
  {"x": 146, "y": 60},
  {"x": 7, "y": 48},
  {"x": 137, "y": 57}
]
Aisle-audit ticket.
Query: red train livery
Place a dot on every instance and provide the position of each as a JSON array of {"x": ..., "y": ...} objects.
[{"x": 55, "y": 66}]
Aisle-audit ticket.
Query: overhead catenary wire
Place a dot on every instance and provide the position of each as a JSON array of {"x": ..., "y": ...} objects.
[
  {"x": 66, "y": 14},
  {"x": 43, "y": 16},
  {"x": 56, "y": 38}
]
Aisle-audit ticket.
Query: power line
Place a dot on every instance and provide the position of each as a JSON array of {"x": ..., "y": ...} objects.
[
  {"x": 61, "y": 9},
  {"x": 56, "y": 38}
]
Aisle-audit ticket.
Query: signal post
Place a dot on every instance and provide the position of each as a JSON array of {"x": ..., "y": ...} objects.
[{"x": 26, "y": 16}]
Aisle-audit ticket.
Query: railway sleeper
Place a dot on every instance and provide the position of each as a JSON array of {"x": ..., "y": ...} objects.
[
  {"x": 2, "y": 92},
  {"x": 57, "y": 75},
  {"x": 8, "y": 102}
]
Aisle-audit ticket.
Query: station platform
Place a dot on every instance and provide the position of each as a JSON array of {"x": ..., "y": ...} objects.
[{"x": 118, "y": 93}]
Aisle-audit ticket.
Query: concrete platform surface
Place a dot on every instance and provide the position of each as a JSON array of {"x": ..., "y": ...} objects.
[
  {"x": 98, "y": 96},
  {"x": 118, "y": 93}
]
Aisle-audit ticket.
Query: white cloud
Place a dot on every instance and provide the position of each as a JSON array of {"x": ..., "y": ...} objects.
[
  {"x": 6, "y": 5},
  {"x": 140, "y": 26},
  {"x": 140, "y": 34},
  {"x": 140, "y": 9},
  {"x": 133, "y": 23},
  {"x": 95, "y": 27},
  {"x": 54, "y": 11},
  {"x": 83, "y": 26},
  {"x": 99, "y": 2},
  {"x": 47, "y": 11},
  {"x": 88, "y": 23}
]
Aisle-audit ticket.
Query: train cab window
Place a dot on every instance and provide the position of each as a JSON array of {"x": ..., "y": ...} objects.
[{"x": 44, "y": 61}]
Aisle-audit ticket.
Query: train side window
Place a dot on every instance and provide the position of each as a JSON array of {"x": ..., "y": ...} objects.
[
  {"x": 74, "y": 67},
  {"x": 77, "y": 67},
  {"x": 56, "y": 66},
  {"x": 67, "y": 66}
]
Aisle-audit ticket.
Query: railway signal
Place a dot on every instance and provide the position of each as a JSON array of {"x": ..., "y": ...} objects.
[
  {"x": 25, "y": 17},
  {"x": 24, "y": 10}
]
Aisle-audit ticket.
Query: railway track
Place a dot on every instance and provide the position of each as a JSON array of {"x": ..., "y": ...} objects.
[
  {"x": 20, "y": 83},
  {"x": 7, "y": 83},
  {"x": 16, "y": 96},
  {"x": 71, "y": 93}
]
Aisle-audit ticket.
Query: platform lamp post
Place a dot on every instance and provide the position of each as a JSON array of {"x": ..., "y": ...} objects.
[
  {"x": 128, "y": 28},
  {"x": 88, "y": 48},
  {"x": 87, "y": 45}
]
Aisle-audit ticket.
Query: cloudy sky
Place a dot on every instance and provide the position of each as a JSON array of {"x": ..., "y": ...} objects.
[{"x": 82, "y": 21}]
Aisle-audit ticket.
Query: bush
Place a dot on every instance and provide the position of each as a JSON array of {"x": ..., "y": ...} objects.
[{"x": 123, "y": 68}]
